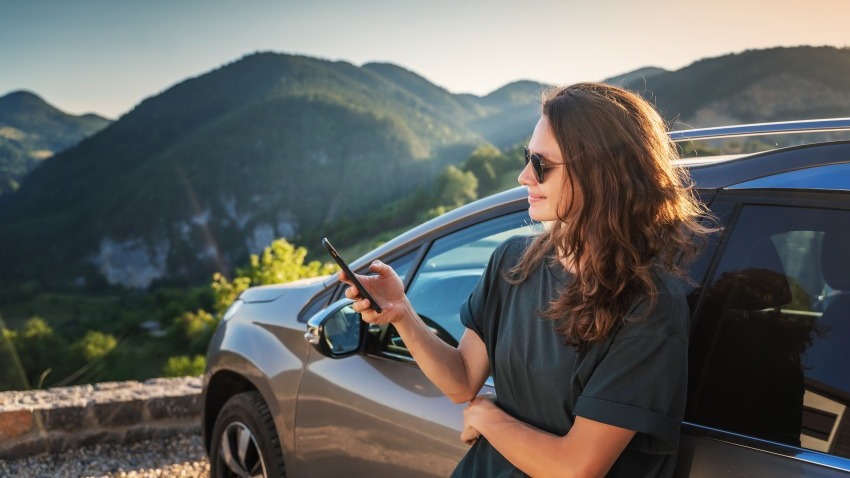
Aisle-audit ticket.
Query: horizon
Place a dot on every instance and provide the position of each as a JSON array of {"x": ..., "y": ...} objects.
[{"x": 94, "y": 56}]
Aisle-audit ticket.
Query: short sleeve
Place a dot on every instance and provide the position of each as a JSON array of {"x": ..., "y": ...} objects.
[
  {"x": 641, "y": 382},
  {"x": 472, "y": 310},
  {"x": 481, "y": 303}
]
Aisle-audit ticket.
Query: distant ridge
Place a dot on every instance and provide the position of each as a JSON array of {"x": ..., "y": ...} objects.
[
  {"x": 635, "y": 76},
  {"x": 754, "y": 86},
  {"x": 32, "y": 130}
]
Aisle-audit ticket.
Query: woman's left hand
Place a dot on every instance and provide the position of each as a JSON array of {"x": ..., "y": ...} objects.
[{"x": 474, "y": 414}]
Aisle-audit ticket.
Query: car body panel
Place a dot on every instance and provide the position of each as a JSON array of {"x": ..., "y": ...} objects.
[
  {"x": 263, "y": 342},
  {"x": 398, "y": 424}
]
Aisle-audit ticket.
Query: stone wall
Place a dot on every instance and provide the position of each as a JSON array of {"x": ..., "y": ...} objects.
[{"x": 58, "y": 419}]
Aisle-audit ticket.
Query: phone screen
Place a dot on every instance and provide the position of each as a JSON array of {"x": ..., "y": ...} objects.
[{"x": 363, "y": 292}]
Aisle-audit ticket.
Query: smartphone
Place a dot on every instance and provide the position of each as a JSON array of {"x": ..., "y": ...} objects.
[{"x": 363, "y": 292}]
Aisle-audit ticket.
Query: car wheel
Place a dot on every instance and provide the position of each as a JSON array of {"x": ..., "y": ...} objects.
[{"x": 244, "y": 440}]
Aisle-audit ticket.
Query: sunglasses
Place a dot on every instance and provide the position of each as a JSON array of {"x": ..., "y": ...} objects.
[{"x": 537, "y": 164}]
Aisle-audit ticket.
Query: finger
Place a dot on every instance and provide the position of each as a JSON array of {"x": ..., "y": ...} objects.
[
  {"x": 361, "y": 305},
  {"x": 368, "y": 316},
  {"x": 352, "y": 292},
  {"x": 342, "y": 277},
  {"x": 469, "y": 438},
  {"x": 379, "y": 267}
]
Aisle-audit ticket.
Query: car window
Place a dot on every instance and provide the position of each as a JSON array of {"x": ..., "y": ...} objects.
[
  {"x": 400, "y": 264},
  {"x": 721, "y": 214},
  {"x": 769, "y": 350},
  {"x": 317, "y": 303},
  {"x": 449, "y": 272}
]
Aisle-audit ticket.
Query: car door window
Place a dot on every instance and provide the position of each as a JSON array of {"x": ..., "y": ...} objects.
[
  {"x": 400, "y": 264},
  {"x": 769, "y": 351},
  {"x": 449, "y": 272}
]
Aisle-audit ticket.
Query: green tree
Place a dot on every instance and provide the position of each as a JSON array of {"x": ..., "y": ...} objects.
[
  {"x": 183, "y": 366},
  {"x": 456, "y": 188},
  {"x": 195, "y": 328},
  {"x": 226, "y": 291},
  {"x": 483, "y": 163},
  {"x": 95, "y": 345},
  {"x": 280, "y": 262}
]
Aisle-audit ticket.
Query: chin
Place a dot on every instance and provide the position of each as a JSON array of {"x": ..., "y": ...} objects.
[{"x": 539, "y": 216}]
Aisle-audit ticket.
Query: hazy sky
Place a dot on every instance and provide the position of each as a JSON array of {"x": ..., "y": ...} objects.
[{"x": 107, "y": 56}]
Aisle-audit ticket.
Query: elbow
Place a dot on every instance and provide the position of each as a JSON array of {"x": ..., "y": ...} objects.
[{"x": 461, "y": 396}]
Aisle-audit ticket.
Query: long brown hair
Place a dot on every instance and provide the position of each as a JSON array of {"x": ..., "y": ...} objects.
[{"x": 637, "y": 210}]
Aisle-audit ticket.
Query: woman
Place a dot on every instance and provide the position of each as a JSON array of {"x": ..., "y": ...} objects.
[{"x": 584, "y": 328}]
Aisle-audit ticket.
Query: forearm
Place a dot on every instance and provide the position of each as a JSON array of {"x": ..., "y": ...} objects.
[
  {"x": 446, "y": 366},
  {"x": 536, "y": 452},
  {"x": 589, "y": 449},
  {"x": 443, "y": 364}
]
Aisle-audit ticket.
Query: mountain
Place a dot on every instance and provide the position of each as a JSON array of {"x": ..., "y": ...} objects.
[
  {"x": 754, "y": 86},
  {"x": 193, "y": 179},
  {"x": 196, "y": 177},
  {"x": 514, "y": 112},
  {"x": 31, "y": 130},
  {"x": 635, "y": 76}
]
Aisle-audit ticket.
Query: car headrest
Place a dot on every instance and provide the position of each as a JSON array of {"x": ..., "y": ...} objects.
[
  {"x": 752, "y": 289},
  {"x": 835, "y": 258}
]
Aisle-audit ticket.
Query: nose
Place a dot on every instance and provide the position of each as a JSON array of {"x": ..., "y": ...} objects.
[{"x": 526, "y": 176}]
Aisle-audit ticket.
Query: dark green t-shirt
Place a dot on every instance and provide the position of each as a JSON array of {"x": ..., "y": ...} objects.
[{"x": 636, "y": 379}]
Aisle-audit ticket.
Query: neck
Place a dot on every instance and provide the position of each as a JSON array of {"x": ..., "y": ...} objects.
[{"x": 568, "y": 262}]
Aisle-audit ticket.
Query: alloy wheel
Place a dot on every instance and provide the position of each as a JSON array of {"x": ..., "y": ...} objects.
[{"x": 239, "y": 452}]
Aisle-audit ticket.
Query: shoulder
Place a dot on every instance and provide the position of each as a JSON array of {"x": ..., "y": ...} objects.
[
  {"x": 667, "y": 315},
  {"x": 510, "y": 251}
]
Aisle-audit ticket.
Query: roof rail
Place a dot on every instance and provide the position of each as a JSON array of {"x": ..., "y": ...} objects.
[{"x": 761, "y": 129}]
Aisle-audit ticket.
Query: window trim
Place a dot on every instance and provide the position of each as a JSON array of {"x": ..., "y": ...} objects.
[{"x": 786, "y": 451}]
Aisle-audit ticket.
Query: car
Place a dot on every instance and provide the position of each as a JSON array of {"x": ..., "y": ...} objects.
[{"x": 297, "y": 384}]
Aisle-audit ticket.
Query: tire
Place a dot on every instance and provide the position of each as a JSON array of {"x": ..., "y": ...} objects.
[{"x": 245, "y": 419}]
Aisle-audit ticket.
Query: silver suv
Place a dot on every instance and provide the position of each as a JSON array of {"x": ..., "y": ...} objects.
[{"x": 297, "y": 384}]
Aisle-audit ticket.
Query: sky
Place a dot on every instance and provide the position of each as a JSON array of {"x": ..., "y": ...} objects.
[{"x": 106, "y": 56}]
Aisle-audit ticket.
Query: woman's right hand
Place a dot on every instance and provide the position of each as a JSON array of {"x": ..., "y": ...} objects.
[{"x": 387, "y": 289}]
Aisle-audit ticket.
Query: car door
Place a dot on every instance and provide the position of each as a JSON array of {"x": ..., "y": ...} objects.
[
  {"x": 375, "y": 413},
  {"x": 769, "y": 384}
]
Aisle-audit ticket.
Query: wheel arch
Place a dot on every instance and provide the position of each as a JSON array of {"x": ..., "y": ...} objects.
[{"x": 223, "y": 385}]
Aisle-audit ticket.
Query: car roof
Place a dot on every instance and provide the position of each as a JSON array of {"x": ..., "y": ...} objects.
[{"x": 741, "y": 171}]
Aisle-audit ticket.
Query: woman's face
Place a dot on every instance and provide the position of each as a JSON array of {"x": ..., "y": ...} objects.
[{"x": 545, "y": 199}]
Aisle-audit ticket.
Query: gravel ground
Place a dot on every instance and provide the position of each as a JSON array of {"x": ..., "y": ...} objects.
[{"x": 181, "y": 456}]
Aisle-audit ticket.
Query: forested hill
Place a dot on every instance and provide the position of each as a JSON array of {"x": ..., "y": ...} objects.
[
  {"x": 777, "y": 84},
  {"x": 271, "y": 145},
  {"x": 31, "y": 130},
  {"x": 198, "y": 176}
]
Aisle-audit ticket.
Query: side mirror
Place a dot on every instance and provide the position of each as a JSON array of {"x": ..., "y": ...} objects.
[{"x": 335, "y": 331}]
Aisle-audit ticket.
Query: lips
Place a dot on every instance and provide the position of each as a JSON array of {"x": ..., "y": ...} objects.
[{"x": 534, "y": 199}]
